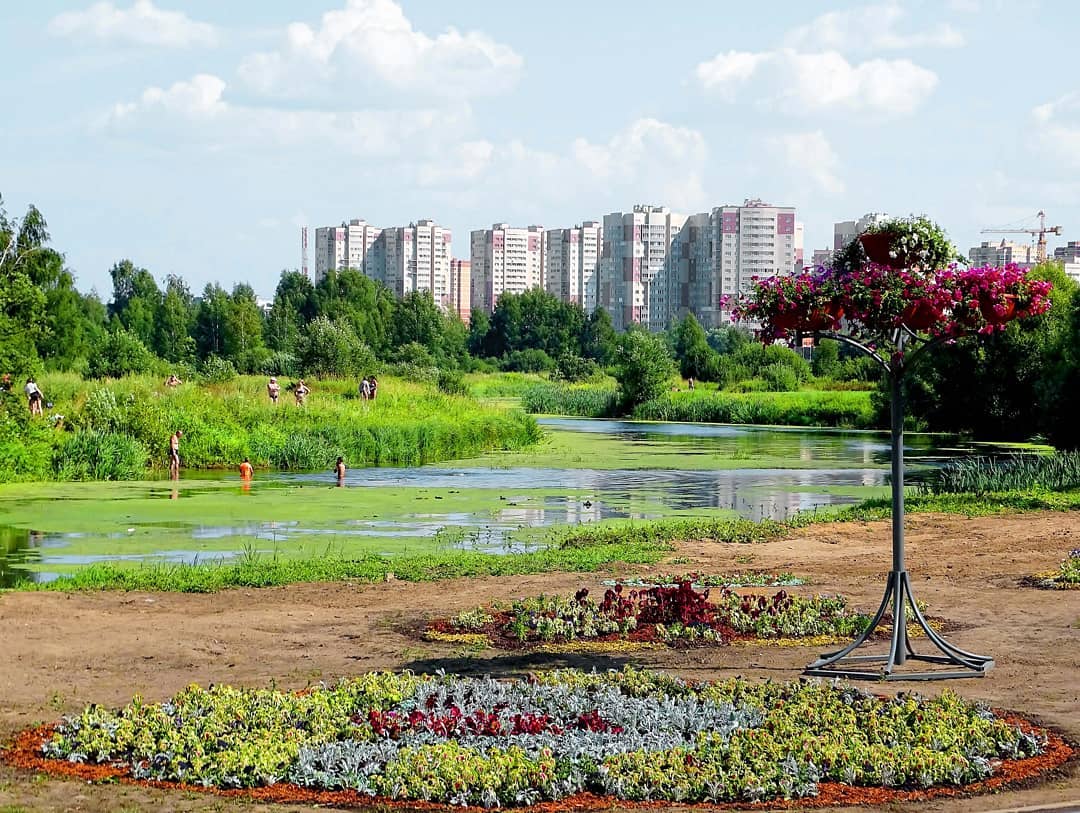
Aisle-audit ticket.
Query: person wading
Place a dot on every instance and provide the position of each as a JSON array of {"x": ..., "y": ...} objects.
[{"x": 174, "y": 454}]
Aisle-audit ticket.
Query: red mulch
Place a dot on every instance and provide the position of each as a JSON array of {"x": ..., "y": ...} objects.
[{"x": 26, "y": 749}]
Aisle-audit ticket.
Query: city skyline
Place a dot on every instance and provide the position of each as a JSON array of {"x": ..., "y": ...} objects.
[{"x": 195, "y": 139}]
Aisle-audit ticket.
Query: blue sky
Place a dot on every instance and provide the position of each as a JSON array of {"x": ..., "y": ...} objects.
[{"x": 195, "y": 137}]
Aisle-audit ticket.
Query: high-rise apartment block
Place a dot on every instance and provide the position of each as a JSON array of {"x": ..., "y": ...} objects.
[
  {"x": 461, "y": 289},
  {"x": 330, "y": 250},
  {"x": 505, "y": 260},
  {"x": 993, "y": 253},
  {"x": 360, "y": 239},
  {"x": 630, "y": 283},
  {"x": 1068, "y": 253},
  {"x": 417, "y": 258},
  {"x": 572, "y": 256}
]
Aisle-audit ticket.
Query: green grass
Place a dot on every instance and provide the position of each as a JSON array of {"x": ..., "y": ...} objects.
[
  {"x": 501, "y": 385},
  {"x": 117, "y": 429},
  {"x": 583, "y": 548},
  {"x": 844, "y": 409},
  {"x": 1059, "y": 471}
]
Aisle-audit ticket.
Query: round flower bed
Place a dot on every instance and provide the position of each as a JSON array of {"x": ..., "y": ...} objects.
[
  {"x": 672, "y": 614},
  {"x": 558, "y": 736}
]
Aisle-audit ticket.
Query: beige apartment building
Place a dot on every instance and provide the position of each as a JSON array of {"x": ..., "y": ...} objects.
[
  {"x": 572, "y": 256},
  {"x": 505, "y": 259}
]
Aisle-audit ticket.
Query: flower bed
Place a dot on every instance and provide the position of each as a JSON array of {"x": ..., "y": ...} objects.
[
  {"x": 1066, "y": 577},
  {"x": 629, "y": 735},
  {"x": 676, "y": 615}
]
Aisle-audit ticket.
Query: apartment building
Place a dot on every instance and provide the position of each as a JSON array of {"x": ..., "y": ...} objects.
[
  {"x": 689, "y": 275},
  {"x": 572, "y": 256},
  {"x": 630, "y": 275},
  {"x": 994, "y": 253},
  {"x": 756, "y": 239},
  {"x": 505, "y": 259},
  {"x": 360, "y": 239},
  {"x": 330, "y": 250},
  {"x": 1068, "y": 253},
  {"x": 460, "y": 301},
  {"x": 417, "y": 258}
]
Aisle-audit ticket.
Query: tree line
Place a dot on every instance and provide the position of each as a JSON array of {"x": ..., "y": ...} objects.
[{"x": 1021, "y": 383}]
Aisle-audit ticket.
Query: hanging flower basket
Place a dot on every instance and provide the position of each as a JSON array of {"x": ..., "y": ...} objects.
[
  {"x": 787, "y": 320},
  {"x": 997, "y": 310},
  {"x": 879, "y": 249},
  {"x": 920, "y": 315}
]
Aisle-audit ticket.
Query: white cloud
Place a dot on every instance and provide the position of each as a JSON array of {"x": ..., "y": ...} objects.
[
  {"x": 142, "y": 24},
  {"x": 371, "y": 45},
  {"x": 869, "y": 28},
  {"x": 197, "y": 110},
  {"x": 1057, "y": 129},
  {"x": 810, "y": 155},
  {"x": 793, "y": 81}
]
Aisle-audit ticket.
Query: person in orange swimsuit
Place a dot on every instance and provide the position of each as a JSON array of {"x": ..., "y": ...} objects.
[{"x": 246, "y": 470}]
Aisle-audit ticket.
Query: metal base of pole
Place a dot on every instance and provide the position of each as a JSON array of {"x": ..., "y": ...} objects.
[{"x": 898, "y": 593}]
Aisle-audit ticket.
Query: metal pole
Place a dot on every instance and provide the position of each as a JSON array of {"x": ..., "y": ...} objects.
[{"x": 896, "y": 409}]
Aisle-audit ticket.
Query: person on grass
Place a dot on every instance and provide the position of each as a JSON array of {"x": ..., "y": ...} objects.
[
  {"x": 365, "y": 389},
  {"x": 301, "y": 392},
  {"x": 173, "y": 381},
  {"x": 374, "y": 387},
  {"x": 33, "y": 396},
  {"x": 273, "y": 389},
  {"x": 174, "y": 454}
]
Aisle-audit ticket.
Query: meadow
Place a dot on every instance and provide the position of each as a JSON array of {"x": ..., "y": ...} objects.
[{"x": 119, "y": 429}]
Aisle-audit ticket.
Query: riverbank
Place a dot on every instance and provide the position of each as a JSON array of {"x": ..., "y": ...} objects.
[
  {"x": 966, "y": 569},
  {"x": 119, "y": 429}
]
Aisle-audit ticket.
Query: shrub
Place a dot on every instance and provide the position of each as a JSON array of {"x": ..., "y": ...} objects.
[
  {"x": 645, "y": 367},
  {"x": 452, "y": 382},
  {"x": 280, "y": 362},
  {"x": 528, "y": 361},
  {"x": 573, "y": 368},
  {"x": 217, "y": 370},
  {"x": 780, "y": 378},
  {"x": 120, "y": 353},
  {"x": 332, "y": 348}
]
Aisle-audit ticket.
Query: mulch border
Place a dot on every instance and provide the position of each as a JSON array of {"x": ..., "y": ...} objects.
[{"x": 1011, "y": 774}]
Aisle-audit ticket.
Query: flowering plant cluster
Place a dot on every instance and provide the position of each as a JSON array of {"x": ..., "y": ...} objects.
[
  {"x": 630, "y": 734},
  {"x": 876, "y": 298},
  {"x": 752, "y": 578},
  {"x": 1066, "y": 577},
  {"x": 675, "y": 613}
]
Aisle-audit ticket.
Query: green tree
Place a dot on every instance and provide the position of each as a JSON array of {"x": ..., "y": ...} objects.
[
  {"x": 244, "y": 330},
  {"x": 294, "y": 306},
  {"x": 136, "y": 300},
  {"x": 417, "y": 319},
  {"x": 692, "y": 349},
  {"x": 211, "y": 318},
  {"x": 175, "y": 321},
  {"x": 599, "y": 341},
  {"x": 644, "y": 367},
  {"x": 120, "y": 353},
  {"x": 333, "y": 349},
  {"x": 479, "y": 326},
  {"x": 826, "y": 359},
  {"x": 728, "y": 339},
  {"x": 22, "y": 302},
  {"x": 535, "y": 320},
  {"x": 368, "y": 306}
]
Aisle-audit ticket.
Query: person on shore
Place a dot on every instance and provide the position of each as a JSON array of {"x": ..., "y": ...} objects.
[
  {"x": 374, "y": 387},
  {"x": 339, "y": 470},
  {"x": 174, "y": 454},
  {"x": 690, "y": 382},
  {"x": 301, "y": 392},
  {"x": 246, "y": 470},
  {"x": 173, "y": 381},
  {"x": 273, "y": 389},
  {"x": 33, "y": 396},
  {"x": 365, "y": 389}
]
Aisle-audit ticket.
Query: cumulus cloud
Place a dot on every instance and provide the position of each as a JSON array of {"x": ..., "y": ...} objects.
[
  {"x": 810, "y": 155},
  {"x": 371, "y": 45},
  {"x": 1057, "y": 129},
  {"x": 869, "y": 28},
  {"x": 197, "y": 111},
  {"x": 142, "y": 24},
  {"x": 793, "y": 81}
]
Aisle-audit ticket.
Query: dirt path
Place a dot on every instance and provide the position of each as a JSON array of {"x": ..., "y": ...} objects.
[{"x": 61, "y": 651}]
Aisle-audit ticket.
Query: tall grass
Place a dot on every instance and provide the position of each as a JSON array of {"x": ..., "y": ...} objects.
[
  {"x": 850, "y": 410},
  {"x": 572, "y": 399},
  {"x": 116, "y": 429},
  {"x": 802, "y": 408},
  {"x": 982, "y": 475}
]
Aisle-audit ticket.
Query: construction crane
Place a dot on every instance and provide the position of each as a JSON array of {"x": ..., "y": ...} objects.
[{"x": 1041, "y": 232}]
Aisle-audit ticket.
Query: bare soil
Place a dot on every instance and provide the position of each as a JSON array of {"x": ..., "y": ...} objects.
[{"x": 61, "y": 651}]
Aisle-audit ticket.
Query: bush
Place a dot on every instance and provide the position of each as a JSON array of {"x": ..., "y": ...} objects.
[
  {"x": 280, "y": 363},
  {"x": 92, "y": 455},
  {"x": 645, "y": 367},
  {"x": 333, "y": 349},
  {"x": 217, "y": 370},
  {"x": 780, "y": 378},
  {"x": 826, "y": 359},
  {"x": 528, "y": 361},
  {"x": 118, "y": 354},
  {"x": 452, "y": 382},
  {"x": 573, "y": 368}
]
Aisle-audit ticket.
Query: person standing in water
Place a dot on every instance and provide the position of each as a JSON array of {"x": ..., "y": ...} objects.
[
  {"x": 339, "y": 470},
  {"x": 174, "y": 454},
  {"x": 246, "y": 470}
]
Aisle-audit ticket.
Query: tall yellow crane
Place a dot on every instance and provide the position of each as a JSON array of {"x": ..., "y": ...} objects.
[{"x": 1041, "y": 232}]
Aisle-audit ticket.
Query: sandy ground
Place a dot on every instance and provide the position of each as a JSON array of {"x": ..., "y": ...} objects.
[{"x": 59, "y": 652}]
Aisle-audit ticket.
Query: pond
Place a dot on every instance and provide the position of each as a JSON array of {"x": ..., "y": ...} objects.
[{"x": 584, "y": 471}]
